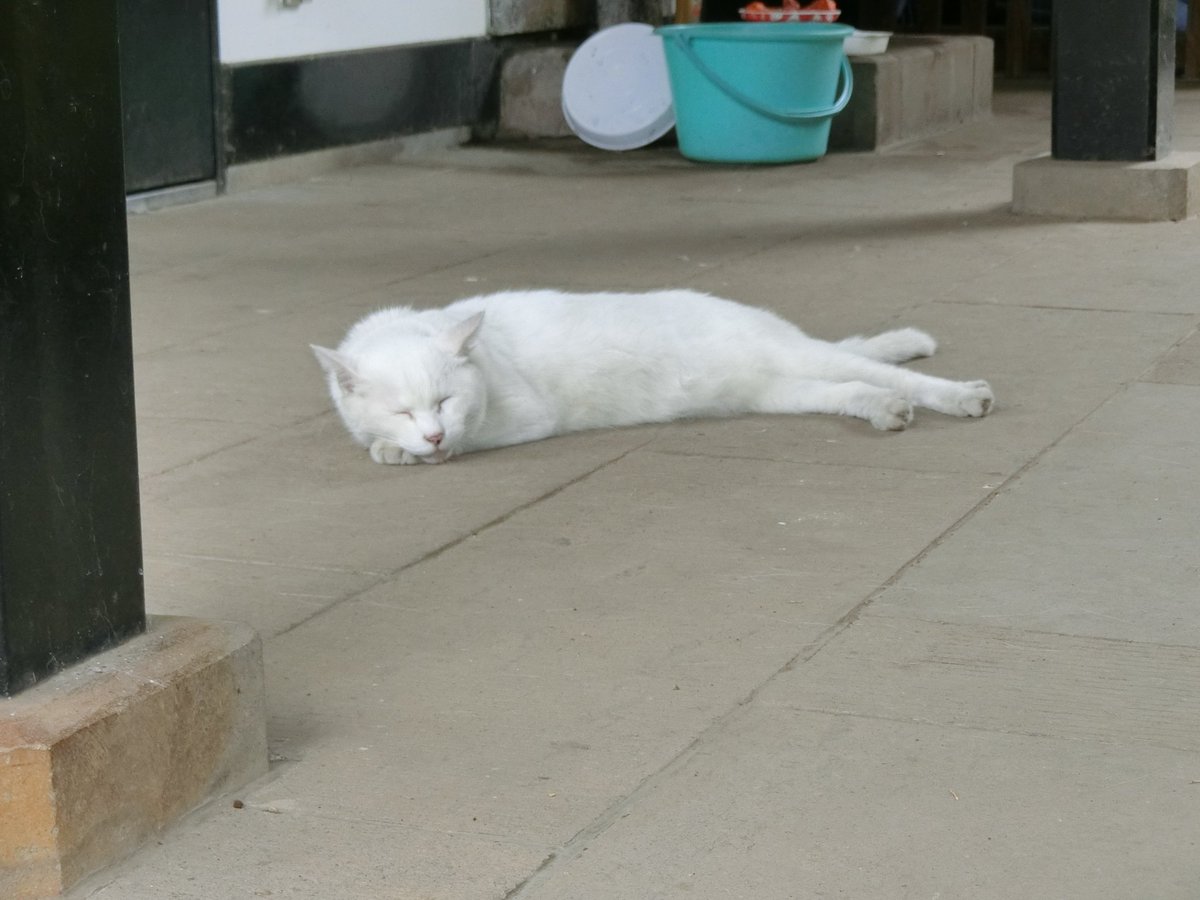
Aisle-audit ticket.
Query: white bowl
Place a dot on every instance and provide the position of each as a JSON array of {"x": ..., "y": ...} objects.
[
  {"x": 789, "y": 15},
  {"x": 867, "y": 43}
]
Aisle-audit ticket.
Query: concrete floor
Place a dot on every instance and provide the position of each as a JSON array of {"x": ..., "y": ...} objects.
[{"x": 762, "y": 658}]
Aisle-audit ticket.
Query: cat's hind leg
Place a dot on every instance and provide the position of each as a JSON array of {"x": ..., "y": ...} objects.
[
  {"x": 887, "y": 410},
  {"x": 896, "y": 346},
  {"x": 954, "y": 398}
]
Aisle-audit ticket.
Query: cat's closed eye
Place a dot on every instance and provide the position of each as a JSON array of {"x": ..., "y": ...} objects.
[
  {"x": 404, "y": 412},
  {"x": 442, "y": 403}
]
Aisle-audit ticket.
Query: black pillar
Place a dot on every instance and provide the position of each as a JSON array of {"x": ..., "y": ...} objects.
[
  {"x": 70, "y": 536},
  {"x": 1114, "y": 79}
]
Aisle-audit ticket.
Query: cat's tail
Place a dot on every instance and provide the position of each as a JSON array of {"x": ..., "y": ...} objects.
[{"x": 896, "y": 346}]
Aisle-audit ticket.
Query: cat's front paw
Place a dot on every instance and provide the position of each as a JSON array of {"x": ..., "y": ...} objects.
[
  {"x": 975, "y": 399},
  {"x": 892, "y": 413},
  {"x": 388, "y": 454}
]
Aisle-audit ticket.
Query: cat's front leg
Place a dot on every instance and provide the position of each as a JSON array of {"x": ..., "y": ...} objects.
[
  {"x": 389, "y": 454},
  {"x": 888, "y": 411}
]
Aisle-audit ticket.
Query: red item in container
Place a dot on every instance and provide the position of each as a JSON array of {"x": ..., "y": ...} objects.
[{"x": 821, "y": 11}]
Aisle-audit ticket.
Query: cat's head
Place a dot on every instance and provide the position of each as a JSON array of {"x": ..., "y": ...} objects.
[{"x": 420, "y": 393}]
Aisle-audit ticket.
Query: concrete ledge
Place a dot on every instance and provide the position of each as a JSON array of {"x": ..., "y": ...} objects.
[
  {"x": 301, "y": 166},
  {"x": 99, "y": 758},
  {"x": 163, "y": 198},
  {"x": 1166, "y": 189},
  {"x": 923, "y": 85}
]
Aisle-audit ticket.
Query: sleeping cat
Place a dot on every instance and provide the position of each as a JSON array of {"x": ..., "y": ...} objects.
[{"x": 524, "y": 365}]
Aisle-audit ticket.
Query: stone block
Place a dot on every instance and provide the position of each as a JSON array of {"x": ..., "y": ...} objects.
[
  {"x": 923, "y": 85},
  {"x": 1166, "y": 189},
  {"x": 104, "y": 755},
  {"x": 531, "y": 91}
]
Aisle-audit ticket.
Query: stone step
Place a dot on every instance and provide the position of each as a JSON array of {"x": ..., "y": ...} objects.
[{"x": 923, "y": 85}]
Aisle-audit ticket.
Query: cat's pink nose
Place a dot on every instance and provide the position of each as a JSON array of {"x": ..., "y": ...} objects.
[{"x": 435, "y": 438}]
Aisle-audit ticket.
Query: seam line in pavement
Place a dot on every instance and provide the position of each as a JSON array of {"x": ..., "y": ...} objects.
[
  {"x": 305, "y": 420},
  {"x": 474, "y": 532},
  {"x": 578, "y": 843}
]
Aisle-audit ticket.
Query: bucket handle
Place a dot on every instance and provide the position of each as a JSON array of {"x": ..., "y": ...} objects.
[{"x": 800, "y": 115}]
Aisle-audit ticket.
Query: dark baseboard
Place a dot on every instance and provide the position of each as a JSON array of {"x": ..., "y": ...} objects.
[{"x": 299, "y": 105}]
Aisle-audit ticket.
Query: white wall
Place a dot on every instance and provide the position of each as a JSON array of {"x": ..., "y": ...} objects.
[{"x": 258, "y": 30}]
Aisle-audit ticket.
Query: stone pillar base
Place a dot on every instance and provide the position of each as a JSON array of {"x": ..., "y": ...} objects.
[
  {"x": 104, "y": 755},
  {"x": 1165, "y": 189}
]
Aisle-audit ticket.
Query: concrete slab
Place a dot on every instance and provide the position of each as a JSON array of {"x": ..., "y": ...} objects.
[
  {"x": 518, "y": 681},
  {"x": 1012, "y": 681},
  {"x": 912, "y": 759},
  {"x": 167, "y": 442},
  {"x": 779, "y": 536},
  {"x": 857, "y": 273},
  {"x": 1181, "y": 365},
  {"x": 308, "y": 496},
  {"x": 278, "y": 847},
  {"x": 218, "y": 375},
  {"x": 267, "y": 596},
  {"x": 1097, "y": 539},
  {"x": 782, "y": 804},
  {"x": 1095, "y": 268},
  {"x": 1168, "y": 188}
]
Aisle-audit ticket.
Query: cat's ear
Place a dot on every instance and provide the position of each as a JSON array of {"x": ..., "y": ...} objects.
[
  {"x": 456, "y": 339},
  {"x": 336, "y": 365}
]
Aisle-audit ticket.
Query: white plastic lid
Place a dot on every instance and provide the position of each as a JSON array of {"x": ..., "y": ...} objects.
[{"x": 616, "y": 94}]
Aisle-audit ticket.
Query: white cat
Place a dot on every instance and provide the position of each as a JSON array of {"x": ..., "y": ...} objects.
[{"x": 423, "y": 386}]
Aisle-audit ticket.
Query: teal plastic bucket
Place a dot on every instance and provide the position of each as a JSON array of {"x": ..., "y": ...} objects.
[{"x": 751, "y": 92}]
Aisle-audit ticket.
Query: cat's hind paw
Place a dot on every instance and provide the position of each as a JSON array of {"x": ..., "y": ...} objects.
[
  {"x": 892, "y": 413},
  {"x": 388, "y": 454},
  {"x": 896, "y": 346},
  {"x": 904, "y": 344},
  {"x": 975, "y": 400}
]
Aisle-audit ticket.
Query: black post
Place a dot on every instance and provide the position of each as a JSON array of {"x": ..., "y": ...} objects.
[
  {"x": 70, "y": 534},
  {"x": 1114, "y": 79}
]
